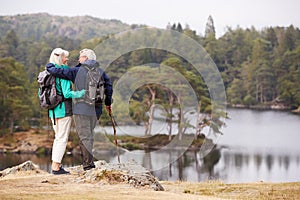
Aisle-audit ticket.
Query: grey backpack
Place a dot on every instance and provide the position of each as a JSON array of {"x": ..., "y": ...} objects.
[
  {"x": 94, "y": 86},
  {"x": 49, "y": 98}
]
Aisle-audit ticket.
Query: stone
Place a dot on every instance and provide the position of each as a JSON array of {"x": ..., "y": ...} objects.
[
  {"x": 129, "y": 172},
  {"x": 24, "y": 167}
]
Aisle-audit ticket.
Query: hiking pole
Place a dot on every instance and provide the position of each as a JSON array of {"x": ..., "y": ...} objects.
[{"x": 115, "y": 133}]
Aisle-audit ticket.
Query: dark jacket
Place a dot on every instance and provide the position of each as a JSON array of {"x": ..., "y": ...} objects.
[
  {"x": 64, "y": 87},
  {"x": 77, "y": 75}
]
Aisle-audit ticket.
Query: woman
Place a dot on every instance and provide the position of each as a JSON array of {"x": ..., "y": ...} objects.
[{"x": 62, "y": 113}]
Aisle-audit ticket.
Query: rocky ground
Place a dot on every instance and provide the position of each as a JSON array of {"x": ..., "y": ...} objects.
[{"x": 126, "y": 181}]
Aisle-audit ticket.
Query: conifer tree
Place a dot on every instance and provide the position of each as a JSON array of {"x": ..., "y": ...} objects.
[{"x": 210, "y": 27}]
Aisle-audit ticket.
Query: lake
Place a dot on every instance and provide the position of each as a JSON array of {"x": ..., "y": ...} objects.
[{"x": 255, "y": 146}]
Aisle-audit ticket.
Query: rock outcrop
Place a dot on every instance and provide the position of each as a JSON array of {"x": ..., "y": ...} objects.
[
  {"x": 25, "y": 168},
  {"x": 128, "y": 173}
]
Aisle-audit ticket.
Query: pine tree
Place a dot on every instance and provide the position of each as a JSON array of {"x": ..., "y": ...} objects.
[
  {"x": 11, "y": 41},
  {"x": 11, "y": 38},
  {"x": 271, "y": 36},
  {"x": 210, "y": 27},
  {"x": 261, "y": 75},
  {"x": 16, "y": 104},
  {"x": 179, "y": 28}
]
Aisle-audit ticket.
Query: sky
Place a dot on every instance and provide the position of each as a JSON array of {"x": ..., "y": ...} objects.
[{"x": 158, "y": 13}]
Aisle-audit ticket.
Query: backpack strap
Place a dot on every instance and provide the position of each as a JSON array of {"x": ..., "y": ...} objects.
[
  {"x": 62, "y": 94},
  {"x": 60, "y": 104},
  {"x": 53, "y": 115}
]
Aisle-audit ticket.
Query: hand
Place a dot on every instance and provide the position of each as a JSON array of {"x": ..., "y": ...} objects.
[
  {"x": 81, "y": 93},
  {"x": 108, "y": 108}
]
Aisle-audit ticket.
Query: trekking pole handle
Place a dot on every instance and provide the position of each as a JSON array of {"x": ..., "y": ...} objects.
[{"x": 108, "y": 109}]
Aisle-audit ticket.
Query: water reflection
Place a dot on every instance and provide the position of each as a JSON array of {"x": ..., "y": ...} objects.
[
  {"x": 191, "y": 167},
  {"x": 233, "y": 166},
  {"x": 228, "y": 165}
]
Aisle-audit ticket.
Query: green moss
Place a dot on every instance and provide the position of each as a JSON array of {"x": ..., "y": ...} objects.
[
  {"x": 155, "y": 141},
  {"x": 42, "y": 151},
  {"x": 131, "y": 146}
]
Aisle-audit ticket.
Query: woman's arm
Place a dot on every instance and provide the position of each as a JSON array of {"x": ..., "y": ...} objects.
[
  {"x": 67, "y": 91},
  {"x": 65, "y": 73}
]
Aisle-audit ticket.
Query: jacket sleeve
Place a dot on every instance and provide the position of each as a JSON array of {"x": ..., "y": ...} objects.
[
  {"x": 67, "y": 90},
  {"x": 108, "y": 89},
  {"x": 65, "y": 73}
]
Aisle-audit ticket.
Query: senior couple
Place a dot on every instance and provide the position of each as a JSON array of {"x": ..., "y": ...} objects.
[{"x": 85, "y": 115}]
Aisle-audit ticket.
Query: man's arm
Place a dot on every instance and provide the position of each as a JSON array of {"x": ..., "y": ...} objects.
[{"x": 65, "y": 73}]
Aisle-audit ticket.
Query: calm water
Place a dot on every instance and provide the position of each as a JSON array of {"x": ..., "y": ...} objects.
[{"x": 256, "y": 146}]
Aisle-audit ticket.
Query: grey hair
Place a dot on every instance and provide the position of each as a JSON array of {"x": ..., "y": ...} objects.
[
  {"x": 56, "y": 56},
  {"x": 90, "y": 54}
]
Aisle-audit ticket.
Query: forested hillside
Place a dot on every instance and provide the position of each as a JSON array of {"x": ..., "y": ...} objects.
[
  {"x": 37, "y": 26},
  {"x": 259, "y": 68}
]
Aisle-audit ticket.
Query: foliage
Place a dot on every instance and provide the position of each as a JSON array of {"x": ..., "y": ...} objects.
[
  {"x": 15, "y": 103},
  {"x": 257, "y": 67},
  {"x": 35, "y": 27}
]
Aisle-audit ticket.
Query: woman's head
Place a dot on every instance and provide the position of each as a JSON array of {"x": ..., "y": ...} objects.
[{"x": 59, "y": 56}]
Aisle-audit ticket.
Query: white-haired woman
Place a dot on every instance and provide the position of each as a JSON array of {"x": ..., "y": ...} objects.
[
  {"x": 62, "y": 113},
  {"x": 86, "y": 115}
]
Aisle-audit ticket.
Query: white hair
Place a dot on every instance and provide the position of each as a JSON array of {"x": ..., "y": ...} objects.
[
  {"x": 90, "y": 54},
  {"x": 56, "y": 56}
]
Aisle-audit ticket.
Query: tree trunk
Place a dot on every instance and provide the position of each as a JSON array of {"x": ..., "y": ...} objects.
[
  {"x": 257, "y": 92},
  {"x": 170, "y": 118},
  {"x": 151, "y": 111},
  {"x": 198, "y": 125},
  {"x": 150, "y": 121},
  {"x": 146, "y": 125},
  {"x": 179, "y": 119},
  {"x": 11, "y": 126},
  {"x": 180, "y": 166}
]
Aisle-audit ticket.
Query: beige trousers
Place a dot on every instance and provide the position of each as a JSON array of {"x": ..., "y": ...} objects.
[{"x": 62, "y": 131}]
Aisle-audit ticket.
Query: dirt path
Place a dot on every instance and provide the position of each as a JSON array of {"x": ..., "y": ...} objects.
[
  {"x": 47, "y": 186},
  {"x": 62, "y": 187}
]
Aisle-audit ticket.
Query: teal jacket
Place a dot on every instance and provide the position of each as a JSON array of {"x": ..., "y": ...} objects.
[{"x": 64, "y": 87}]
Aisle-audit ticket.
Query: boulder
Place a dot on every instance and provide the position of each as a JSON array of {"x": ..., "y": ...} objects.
[
  {"x": 129, "y": 172},
  {"x": 27, "y": 167}
]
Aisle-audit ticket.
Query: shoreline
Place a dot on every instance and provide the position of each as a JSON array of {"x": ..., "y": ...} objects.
[
  {"x": 266, "y": 107},
  {"x": 39, "y": 142}
]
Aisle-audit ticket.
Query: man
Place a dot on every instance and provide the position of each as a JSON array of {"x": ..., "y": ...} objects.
[{"x": 85, "y": 115}]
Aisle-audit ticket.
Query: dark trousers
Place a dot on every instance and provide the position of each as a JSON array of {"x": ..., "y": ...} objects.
[{"x": 85, "y": 128}]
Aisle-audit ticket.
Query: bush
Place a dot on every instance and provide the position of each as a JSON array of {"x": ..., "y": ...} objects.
[{"x": 249, "y": 100}]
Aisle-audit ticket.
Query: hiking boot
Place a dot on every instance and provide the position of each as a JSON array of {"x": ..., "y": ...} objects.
[{"x": 60, "y": 171}]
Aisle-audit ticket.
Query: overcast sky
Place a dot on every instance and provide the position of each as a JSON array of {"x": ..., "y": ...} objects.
[{"x": 157, "y": 13}]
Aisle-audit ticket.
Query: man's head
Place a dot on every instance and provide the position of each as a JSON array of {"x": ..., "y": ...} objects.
[{"x": 86, "y": 54}]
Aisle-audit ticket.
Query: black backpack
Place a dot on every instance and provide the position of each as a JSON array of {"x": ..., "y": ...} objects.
[
  {"x": 94, "y": 86},
  {"x": 48, "y": 96}
]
